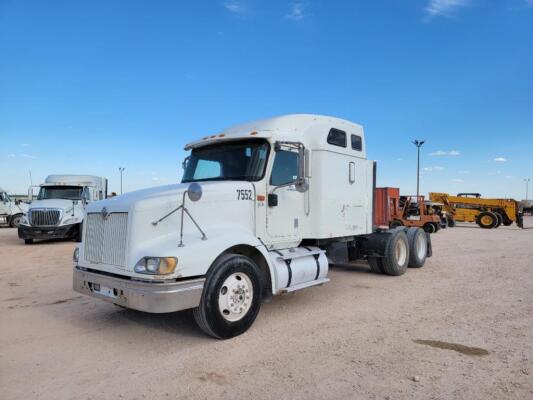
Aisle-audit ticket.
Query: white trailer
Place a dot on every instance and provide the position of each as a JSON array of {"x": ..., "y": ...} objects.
[
  {"x": 11, "y": 212},
  {"x": 263, "y": 209},
  {"x": 59, "y": 208}
]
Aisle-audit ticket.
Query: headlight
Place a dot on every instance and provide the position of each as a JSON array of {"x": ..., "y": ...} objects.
[
  {"x": 73, "y": 220},
  {"x": 24, "y": 220},
  {"x": 76, "y": 255},
  {"x": 156, "y": 265}
]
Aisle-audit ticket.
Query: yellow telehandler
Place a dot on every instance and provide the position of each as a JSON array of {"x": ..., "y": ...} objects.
[{"x": 487, "y": 213}]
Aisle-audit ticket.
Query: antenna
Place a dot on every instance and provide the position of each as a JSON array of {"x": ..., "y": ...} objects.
[{"x": 31, "y": 180}]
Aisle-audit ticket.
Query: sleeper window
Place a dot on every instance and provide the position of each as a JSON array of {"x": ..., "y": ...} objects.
[
  {"x": 357, "y": 142},
  {"x": 336, "y": 137}
]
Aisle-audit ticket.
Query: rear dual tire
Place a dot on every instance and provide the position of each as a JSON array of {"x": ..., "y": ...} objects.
[
  {"x": 404, "y": 249},
  {"x": 418, "y": 247},
  {"x": 396, "y": 256}
]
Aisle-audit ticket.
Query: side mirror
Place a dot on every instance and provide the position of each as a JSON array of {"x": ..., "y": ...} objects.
[
  {"x": 185, "y": 162},
  {"x": 194, "y": 191},
  {"x": 302, "y": 185},
  {"x": 30, "y": 194}
]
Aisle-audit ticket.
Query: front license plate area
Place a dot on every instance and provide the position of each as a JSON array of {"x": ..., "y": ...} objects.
[{"x": 104, "y": 290}]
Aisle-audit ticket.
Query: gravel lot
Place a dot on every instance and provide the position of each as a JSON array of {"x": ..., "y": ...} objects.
[{"x": 360, "y": 336}]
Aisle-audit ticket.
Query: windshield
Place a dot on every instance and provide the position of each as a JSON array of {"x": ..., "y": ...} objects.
[
  {"x": 242, "y": 160},
  {"x": 60, "y": 192}
]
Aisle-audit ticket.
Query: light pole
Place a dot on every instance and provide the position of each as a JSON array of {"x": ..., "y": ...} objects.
[
  {"x": 121, "y": 170},
  {"x": 418, "y": 144},
  {"x": 526, "y": 180}
]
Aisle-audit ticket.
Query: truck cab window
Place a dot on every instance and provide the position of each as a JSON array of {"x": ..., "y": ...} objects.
[
  {"x": 206, "y": 169},
  {"x": 285, "y": 168},
  {"x": 243, "y": 160},
  {"x": 60, "y": 192},
  {"x": 357, "y": 143},
  {"x": 336, "y": 137}
]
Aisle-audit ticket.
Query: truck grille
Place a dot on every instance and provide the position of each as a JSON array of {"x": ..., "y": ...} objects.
[
  {"x": 44, "y": 216},
  {"x": 105, "y": 239}
]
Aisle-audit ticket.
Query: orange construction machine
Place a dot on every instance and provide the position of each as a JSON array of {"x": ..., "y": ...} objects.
[{"x": 391, "y": 209}]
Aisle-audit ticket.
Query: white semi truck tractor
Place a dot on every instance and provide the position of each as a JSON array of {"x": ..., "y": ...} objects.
[
  {"x": 58, "y": 211},
  {"x": 11, "y": 212},
  {"x": 263, "y": 209}
]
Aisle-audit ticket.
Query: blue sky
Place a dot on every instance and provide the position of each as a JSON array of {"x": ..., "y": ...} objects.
[{"x": 88, "y": 86}]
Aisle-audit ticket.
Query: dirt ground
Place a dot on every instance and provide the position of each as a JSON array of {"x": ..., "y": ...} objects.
[{"x": 461, "y": 327}]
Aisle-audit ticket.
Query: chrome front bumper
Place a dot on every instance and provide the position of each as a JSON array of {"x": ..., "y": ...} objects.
[{"x": 143, "y": 296}]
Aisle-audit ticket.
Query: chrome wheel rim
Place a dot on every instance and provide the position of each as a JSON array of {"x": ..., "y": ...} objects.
[{"x": 235, "y": 297}]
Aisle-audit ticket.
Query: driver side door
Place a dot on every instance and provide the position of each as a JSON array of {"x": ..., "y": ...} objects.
[{"x": 284, "y": 219}]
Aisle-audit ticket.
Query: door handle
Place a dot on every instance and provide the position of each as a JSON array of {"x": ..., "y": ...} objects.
[{"x": 351, "y": 173}]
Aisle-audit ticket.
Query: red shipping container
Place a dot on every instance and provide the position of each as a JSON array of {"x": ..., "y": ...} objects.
[{"x": 385, "y": 205}]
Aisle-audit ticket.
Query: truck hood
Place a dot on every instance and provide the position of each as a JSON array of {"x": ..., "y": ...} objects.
[
  {"x": 224, "y": 207},
  {"x": 164, "y": 198},
  {"x": 62, "y": 204}
]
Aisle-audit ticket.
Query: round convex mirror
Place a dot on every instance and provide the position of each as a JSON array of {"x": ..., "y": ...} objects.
[{"x": 194, "y": 191}]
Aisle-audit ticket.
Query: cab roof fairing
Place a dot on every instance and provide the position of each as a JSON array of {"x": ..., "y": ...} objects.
[{"x": 309, "y": 129}]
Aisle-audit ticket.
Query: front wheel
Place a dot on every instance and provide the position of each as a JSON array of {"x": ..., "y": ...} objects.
[
  {"x": 15, "y": 220},
  {"x": 429, "y": 227},
  {"x": 231, "y": 298},
  {"x": 487, "y": 220},
  {"x": 28, "y": 241}
]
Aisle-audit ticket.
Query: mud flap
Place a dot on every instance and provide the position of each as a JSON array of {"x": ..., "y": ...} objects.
[{"x": 430, "y": 249}]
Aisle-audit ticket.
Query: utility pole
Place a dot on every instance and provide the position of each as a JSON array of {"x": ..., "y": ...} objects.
[
  {"x": 418, "y": 144},
  {"x": 526, "y": 180},
  {"x": 121, "y": 170}
]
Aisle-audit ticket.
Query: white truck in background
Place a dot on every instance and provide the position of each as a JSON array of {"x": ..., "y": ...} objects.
[
  {"x": 59, "y": 208},
  {"x": 11, "y": 212},
  {"x": 263, "y": 209}
]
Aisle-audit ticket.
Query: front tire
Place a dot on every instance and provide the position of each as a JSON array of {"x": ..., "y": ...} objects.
[
  {"x": 28, "y": 241},
  {"x": 487, "y": 220},
  {"x": 231, "y": 298},
  {"x": 429, "y": 227},
  {"x": 15, "y": 220}
]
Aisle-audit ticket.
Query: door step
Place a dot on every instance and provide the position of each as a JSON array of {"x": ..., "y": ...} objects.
[{"x": 304, "y": 285}]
